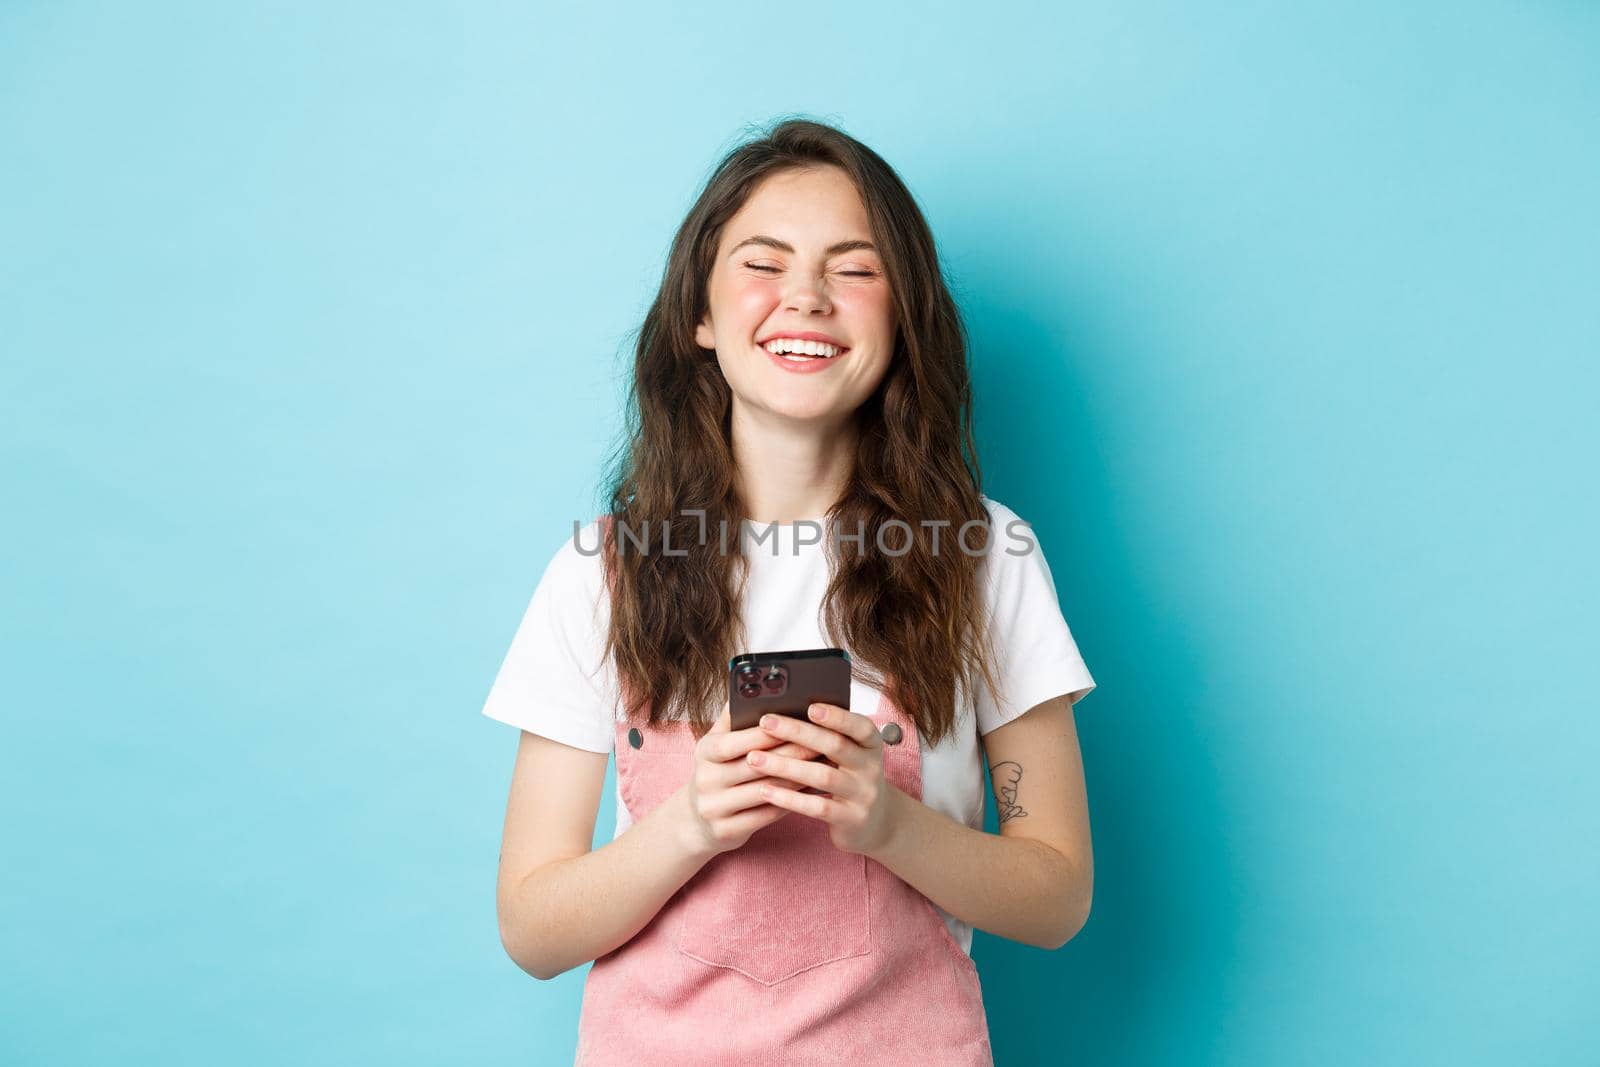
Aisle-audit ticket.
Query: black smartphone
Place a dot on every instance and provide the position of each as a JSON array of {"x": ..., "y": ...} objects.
[{"x": 786, "y": 683}]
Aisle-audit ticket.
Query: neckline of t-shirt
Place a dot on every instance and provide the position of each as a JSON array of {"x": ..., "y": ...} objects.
[
  {"x": 780, "y": 539},
  {"x": 820, "y": 520}
]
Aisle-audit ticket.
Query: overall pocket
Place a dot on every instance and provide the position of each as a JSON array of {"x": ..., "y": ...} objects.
[{"x": 785, "y": 902}]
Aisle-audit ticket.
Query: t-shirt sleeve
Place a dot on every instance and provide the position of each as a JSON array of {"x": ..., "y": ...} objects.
[
  {"x": 552, "y": 681},
  {"x": 1036, "y": 657}
]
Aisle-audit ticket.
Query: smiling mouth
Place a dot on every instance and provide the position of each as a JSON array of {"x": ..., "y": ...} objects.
[{"x": 792, "y": 351}]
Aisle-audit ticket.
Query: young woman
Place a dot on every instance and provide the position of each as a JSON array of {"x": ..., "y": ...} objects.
[{"x": 799, "y": 473}]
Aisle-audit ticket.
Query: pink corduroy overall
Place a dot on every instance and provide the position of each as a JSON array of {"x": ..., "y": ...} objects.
[{"x": 786, "y": 950}]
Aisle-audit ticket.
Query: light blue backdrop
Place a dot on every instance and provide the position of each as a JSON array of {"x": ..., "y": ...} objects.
[{"x": 1286, "y": 329}]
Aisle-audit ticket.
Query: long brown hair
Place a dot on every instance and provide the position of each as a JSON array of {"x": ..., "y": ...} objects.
[{"x": 914, "y": 623}]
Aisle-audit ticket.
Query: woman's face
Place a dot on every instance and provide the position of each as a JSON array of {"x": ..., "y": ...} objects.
[{"x": 798, "y": 259}]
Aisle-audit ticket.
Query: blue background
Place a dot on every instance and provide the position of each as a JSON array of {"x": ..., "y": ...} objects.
[{"x": 1285, "y": 333}]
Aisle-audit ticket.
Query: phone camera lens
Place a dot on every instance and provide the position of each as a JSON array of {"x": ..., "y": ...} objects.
[
  {"x": 776, "y": 680},
  {"x": 749, "y": 690}
]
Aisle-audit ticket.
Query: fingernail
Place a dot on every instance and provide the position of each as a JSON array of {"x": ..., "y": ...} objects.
[
  {"x": 816, "y": 711},
  {"x": 758, "y": 758},
  {"x": 769, "y": 721}
]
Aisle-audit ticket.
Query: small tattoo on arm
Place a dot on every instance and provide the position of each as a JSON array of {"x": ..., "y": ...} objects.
[{"x": 1007, "y": 777}]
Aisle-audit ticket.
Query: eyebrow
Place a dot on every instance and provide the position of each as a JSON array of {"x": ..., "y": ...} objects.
[{"x": 785, "y": 246}]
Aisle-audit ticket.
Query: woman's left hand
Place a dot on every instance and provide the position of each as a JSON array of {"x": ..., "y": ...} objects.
[{"x": 857, "y": 802}]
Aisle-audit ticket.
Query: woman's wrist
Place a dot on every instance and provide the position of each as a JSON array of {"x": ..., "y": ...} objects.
[
  {"x": 903, "y": 808},
  {"x": 686, "y": 829}
]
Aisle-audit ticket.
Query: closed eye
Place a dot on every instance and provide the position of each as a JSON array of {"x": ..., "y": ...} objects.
[{"x": 850, "y": 273}]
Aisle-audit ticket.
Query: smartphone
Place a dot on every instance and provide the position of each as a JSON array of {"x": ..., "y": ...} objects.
[{"x": 786, "y": 683}]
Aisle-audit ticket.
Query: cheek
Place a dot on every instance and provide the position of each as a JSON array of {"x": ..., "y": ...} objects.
[
  {"x": 750, "y": 303},
  {"x": 869, "y": 308}
]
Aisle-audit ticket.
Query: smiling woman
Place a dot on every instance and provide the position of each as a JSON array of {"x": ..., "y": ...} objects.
[{"x": 805, "y": 890}]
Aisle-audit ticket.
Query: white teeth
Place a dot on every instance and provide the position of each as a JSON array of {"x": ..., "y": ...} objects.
[{"x": 781, "y": 345}]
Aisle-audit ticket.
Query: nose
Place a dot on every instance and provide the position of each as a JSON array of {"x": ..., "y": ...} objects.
[{"x": 806, "y": 295}]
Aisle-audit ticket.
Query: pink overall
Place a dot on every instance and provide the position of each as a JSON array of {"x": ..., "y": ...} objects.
[{"x": 786, "y": 950}]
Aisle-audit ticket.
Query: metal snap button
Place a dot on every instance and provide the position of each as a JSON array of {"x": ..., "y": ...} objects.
[
  {"x": 891, "y": 733},
  {"x": 635, "y": 738}
]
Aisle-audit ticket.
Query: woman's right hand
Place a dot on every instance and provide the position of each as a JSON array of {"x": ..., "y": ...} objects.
[{"x": 724, "y": 792}]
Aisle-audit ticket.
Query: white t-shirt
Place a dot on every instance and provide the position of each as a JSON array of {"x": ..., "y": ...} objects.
[{"x": 553, "y": 683}]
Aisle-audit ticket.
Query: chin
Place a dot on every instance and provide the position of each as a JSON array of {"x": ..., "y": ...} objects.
[{"x": 800, "y": 412}]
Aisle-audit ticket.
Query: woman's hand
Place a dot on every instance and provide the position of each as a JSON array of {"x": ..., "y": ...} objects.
[
  {"x": 723, "y": 793},
  {"x": 856, "y": 801}
]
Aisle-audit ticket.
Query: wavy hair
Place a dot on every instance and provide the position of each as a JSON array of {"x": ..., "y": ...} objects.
[{"x": 913, "y": 622}]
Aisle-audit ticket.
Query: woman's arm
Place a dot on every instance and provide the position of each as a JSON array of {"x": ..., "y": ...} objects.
[
  {"x": 561, "y": 905},
  {"x": 1033, "y": 882}
]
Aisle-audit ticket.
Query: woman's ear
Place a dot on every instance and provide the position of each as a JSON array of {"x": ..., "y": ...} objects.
[{"x": 703, "y": 335}]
